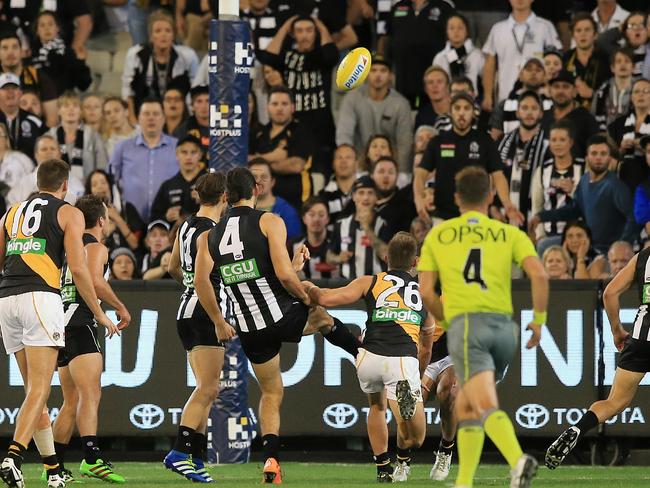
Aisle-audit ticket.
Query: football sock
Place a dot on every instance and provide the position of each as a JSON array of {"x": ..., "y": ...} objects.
[
  {"x": 382, "y": 461},
  {"x": 445, "y": 447},
  {"x": 16, "y": 451},
  {"x": 184, "y": 440},
  {"x": 341, "y": 336},
  {"x": 51, "y": 465},
  {"x": 470, "y": 445},
  {"x": 271, "y": 446},
  {"x": 501, "y": 432},
  {"x": 44, "y": 440},
  {"x": 60, "y": 449},
  {"x": 199, "y": 445},
  {"x": 91, "y": 448},
  {"x": 586, "y": 423},
  {"x": 404, "y": 456}
]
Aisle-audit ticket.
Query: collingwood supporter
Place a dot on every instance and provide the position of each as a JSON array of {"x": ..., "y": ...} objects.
[
  {"x": 524, "y": 149},
  {"x": 307, "y": 70},
  {"x": 192, "y": 23},
  {"x": 23, "y": 127},
  {"x": 608, "y": 14},
  {"x": 553, "y": 63},
  {"x": 376, "y": 108},
  {"x": 174, "y": 109},
  {"x": 414, "y": 34},
  {"x": 503, "y": 119},
  {"x": 271, "y": 78},
  {"x": 435, "y": 106},
  {"x": 627, "y": 131},
  {"x": 377, "y": 146},
  {"x": 158, "y": 243},
  {"x": 288, "y": 147},
  {"x": 359, "y": 241},
  {"x": 423, "y": 135},
  {"x": 555, "y": 181},
  {"x": 460, "y": 57},
  {"x": 510, "y": 43},
  {"x": 619, "y": 254},
  {"x": 636, "y": 35},
  {"x": 612, "y": 99},
  {"x": 198, "y": 124},
  {"x": 29, "y": 102},
  {"x": 588, "y": 64},
  {"x": 150, "y": 68},
  {"x": 317, "y": 238},
  {"x": 587, "y": 263},
  {"x": 394, "y": 205},
  {"x": 81, "y": 146},
  {"x": 124, "y": 265},
  {"x": 263, "y": 20},
  {"x": 337, "y": 193},
  {"x": 557, "y": 263},
  {"x": 91, "y": 111},
  {"x": 13, "y": 164},
  {"x": 118, "y": 127}
]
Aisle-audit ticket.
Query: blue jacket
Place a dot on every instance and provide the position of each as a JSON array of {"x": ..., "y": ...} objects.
[{"x": 284, "y": 209}]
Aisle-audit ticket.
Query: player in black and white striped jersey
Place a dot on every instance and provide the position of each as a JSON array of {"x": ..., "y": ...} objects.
[
  {"x": 633, "y": 362},
  {"x": 197, "y": 333},
  {"x": 248, "y": 250}
]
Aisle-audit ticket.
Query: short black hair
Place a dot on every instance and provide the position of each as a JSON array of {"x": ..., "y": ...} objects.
[
  {"x": 260, "y": 162},
  {"x": 240, "y": 184},
  {"x": 155, "y": 100},
  {"x": 282, "y": 89},
  {"x": 462, "y": 79},
  {"x": 210, "y": 187},
  {"x": 310, "y": 203},
  {"x": 531, "y": 94},
  {"x": 625, "y": 51},
  {"x": 579, "y": 17},
  {"x": 51, "y": 174},
  {"x": 564, "y": 124},
  {"x": 10, "y": 34},
  {"x": 93, "y": 208},
  {"x": 385, "y": 159},
  {"x": 598, "y": 139}
]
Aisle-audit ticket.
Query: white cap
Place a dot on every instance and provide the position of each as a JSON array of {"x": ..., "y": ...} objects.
[{"x": 9, "y": 79}]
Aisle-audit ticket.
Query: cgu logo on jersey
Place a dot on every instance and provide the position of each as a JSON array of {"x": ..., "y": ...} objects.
[
  {"x": 68, "y": 293},
  {"x": 33, "y": 245},
  {"x": 387, "y": 314},
  {"x": 239, "y": 271},
  {"x": 188, "y": 279}
]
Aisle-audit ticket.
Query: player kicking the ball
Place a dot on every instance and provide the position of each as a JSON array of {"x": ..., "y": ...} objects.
[
  {"x": 633, "y": 363},
  {"x": 387, "y": 364},
  {"x": 80, "y": 362}
]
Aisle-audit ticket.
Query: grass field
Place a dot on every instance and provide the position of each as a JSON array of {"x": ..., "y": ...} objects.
[{"x": 315, "y": 475}]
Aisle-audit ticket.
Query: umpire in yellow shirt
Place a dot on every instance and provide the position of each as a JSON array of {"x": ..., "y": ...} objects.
[{"x": 472, "y": 256}]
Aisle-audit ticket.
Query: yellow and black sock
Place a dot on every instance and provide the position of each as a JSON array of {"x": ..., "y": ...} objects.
[
  {"x": 382, "y": 461},
  {"x": 51, "y": 465},
  {"x": 470, "y": 445},
  {"x": 404, "y": 456},
  {"x": 501, "y": 432},
  {"x": 16, "y": 451},
  {"x": 445, "y": 447}
]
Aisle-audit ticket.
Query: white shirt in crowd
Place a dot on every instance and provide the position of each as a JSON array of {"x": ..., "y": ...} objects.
[
  {"x": 513, "y": 43},
  {"x": 27, "y": 185},
  {"x": 474, "y": 61},
  {"x": 14, "y": 166},
  {"x": 619, "y": 16}
]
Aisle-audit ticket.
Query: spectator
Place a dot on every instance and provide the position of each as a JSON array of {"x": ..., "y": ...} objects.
[
  {"x": 612, "y": 99},
  {"x": 193, "y": 23},
  {"x": 123, "y": 264},
  {"x": 419, "y": 229},
  {"x": 451, "y": 151},
  {"x": 524, "y": 150},
  {"x": 29, "y": 102},
  {"x": 81, "y": 147},
  {"x": 91, "y": 112},
  {"x": 588, "y": 64},
  {"x": 609, "y": 15},
  {"x": 198, "y": 124},
  {"x": 158, "y": 244},
  {"x": 504, "y": 117},
  {"x": 601, "y": 199},
  {"x": 460, "y": 57},
  {"x": 423, "y": 135},
  {"x": 620, "y": 253},
  {"x": 359, "y": 240},
  {"x": 46, "y": 148},
  {"x": 174, "y": 109},
  {"x": 375, "y": 108},
  {"x": 125, "y": 226},
  {"x": 510, "y": 43},
  {"x": 553, "y": 63},
  {"x": 588, "y": 264},
  {"x": 271, "y": 78},
  {"x": 263, "y": 20},
  {"x": 337, "y": 194},
  {"x": 53, "y": 56},
  {"x": 415, "y": 32},
  {"x": 287, "y": 146},
  {"x": 30, "y": 77},
  {"x": 118, "y": 127},
  {"x": 378, "y": 146},
  {"x": 13, "y": 164},
  {"x": 307, "y": 70},
  {"x": 174, "y": 200},
  {"x": 149, "y": 69},
  {"x": 557, "y": 263},
  {"x": 642, "y": 193},
  {"x": 267, "y": 201},
  {"x": 627, "y": 131},
  {"x": 565, "y": 107},
  {"x": 141, "y": 164},
  {"x": 636, "y": 35},
  {"x": 482, "y": 15},
  {"x": 23, "y": 127},
  {"x": 317, "y": 239},
  {"x": 436, "y": 87},
  {"x": 395, "y": 206}
]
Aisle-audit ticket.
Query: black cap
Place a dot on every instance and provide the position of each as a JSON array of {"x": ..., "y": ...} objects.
[
  {"x": 552, "y": 50},
  {"x": 199, "y": 90},
  {"x": 189, "y": 138},
  {"x": 462, "y": 95},
  {"x": 564, "y": 76},
  {"x": 364, "y": 182},
  {"x": 645, "y": 140},
  {"x": 380, "y": 59},
  {"x": 158, "y": 223}
]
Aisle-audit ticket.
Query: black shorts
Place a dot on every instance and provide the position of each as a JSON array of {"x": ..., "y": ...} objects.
[
  {"x": 78, "y": 340},
  {"x": 635, "y": 356},
  {"x": 262, "y": 345},
  {"x": 197, "y": 332},
  {"x": 439, "y": 349}
]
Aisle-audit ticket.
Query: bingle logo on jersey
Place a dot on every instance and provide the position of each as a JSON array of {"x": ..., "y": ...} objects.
[
  {"x": 387, "y": 314},
  {"x": 226, "y": 120},
  {"x": 26, "y": 246}
]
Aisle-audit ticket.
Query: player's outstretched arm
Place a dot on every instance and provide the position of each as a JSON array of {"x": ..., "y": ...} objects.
[
  {"x": 97, "y": 257},
  {"x": 432, "y": 301},
  {"x": 611, "y": 299},
  {"x": 205, "y": 291},
  {"x": 175, "y": 262},
  {"x": 72, "y": 222},
  {"x": 539, "y": 288},
  {"x": 334, "y": 297}
]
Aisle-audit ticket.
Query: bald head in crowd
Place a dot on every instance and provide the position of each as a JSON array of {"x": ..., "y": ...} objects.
[{"x": 619, "y": 254}]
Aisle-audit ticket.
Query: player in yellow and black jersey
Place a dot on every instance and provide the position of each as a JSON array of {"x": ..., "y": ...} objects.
[{"x": 387, "y": 363}]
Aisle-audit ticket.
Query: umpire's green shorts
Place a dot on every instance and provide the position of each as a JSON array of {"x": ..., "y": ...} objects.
[{"x": 481, "y": 342}]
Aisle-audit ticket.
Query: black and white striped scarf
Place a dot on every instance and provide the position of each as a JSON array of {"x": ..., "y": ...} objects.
[
  {"x": 609, "y": 103},
  {"x": 630, "y": 132},
  {"x": 554, "y": 197}
]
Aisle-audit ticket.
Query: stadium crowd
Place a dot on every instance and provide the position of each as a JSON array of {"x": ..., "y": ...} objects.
[{"x": 552, "y": 98}]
